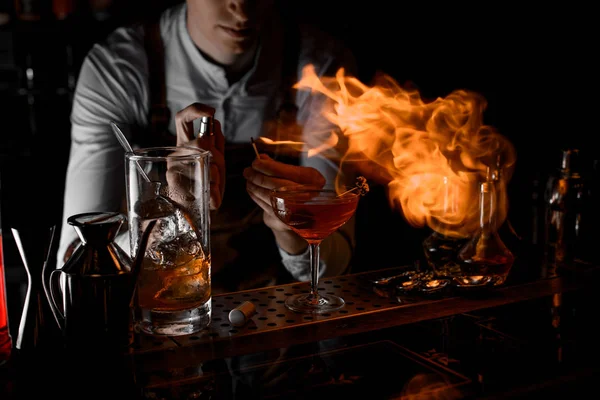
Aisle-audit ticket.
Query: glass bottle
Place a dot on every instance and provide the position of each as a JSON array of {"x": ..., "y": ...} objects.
[
  {"x": 564, "y": 207},
  {"x": 485, "y": 259}
]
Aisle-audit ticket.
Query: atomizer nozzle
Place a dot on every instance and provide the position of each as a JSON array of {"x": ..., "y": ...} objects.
[{"x": 206, "y": 126}]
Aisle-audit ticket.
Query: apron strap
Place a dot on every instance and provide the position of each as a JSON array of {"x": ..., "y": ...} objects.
[{"x": 159, "y": 116}]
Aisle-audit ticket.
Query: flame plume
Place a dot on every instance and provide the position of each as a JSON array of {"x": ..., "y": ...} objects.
[{"x": 429, "y": 154}]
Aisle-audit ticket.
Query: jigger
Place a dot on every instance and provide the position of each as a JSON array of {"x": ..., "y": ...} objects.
[{"x": 34, "y": 328}]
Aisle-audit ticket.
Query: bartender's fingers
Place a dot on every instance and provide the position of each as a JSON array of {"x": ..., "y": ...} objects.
[
  {"x": 215, "y": 144},
  {"x": 269, "y": 216},
  {"x": 184, "y": 121},
  {"x": 262, "y": 184},
  {"x": 259, "y": 193},
  {"x": 298, "y": 174},
  {"x": 263, "y": 202},
  {"x": 270, "y": 174},
  {"x": 216, "y": 140}
]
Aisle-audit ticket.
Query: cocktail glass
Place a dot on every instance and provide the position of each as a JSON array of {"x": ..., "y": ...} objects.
[{"x": 314, "y": 214}]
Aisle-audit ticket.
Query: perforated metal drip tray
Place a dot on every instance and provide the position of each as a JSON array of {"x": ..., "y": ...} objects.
[
  {"x": 361, "y": 297},
  {"x": 369, "y": 307}
]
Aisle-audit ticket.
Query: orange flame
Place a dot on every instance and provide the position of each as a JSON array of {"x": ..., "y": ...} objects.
[
  {"x": 298, "y": 146},
  {"x": 430, "y": 154}
]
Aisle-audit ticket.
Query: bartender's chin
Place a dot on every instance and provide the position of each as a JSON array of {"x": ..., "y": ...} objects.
[{"x": 241, "y": 46}]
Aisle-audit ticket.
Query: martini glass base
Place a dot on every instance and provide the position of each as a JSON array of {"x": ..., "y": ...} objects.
[{"x": 304, "y": 303}]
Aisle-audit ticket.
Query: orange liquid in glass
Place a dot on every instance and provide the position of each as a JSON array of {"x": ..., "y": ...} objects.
[
  {"x": 315, "y": 217},
  {"x": 179, "y": 288}
]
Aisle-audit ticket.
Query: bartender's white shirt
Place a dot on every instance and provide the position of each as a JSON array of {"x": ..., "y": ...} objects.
[{"x": 113, "y": 86}]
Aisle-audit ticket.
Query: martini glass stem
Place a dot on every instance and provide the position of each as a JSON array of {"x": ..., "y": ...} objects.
[{"x": 314, "y": 271}]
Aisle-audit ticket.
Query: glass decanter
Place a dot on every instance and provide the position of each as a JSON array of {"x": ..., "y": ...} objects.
[{"x": 485, "y": 259}]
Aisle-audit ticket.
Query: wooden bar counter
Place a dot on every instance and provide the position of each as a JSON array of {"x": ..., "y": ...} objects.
[{"x": 530, "y": 335}]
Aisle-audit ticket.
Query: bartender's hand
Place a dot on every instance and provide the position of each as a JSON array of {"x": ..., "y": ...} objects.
[
  {"x": 266, "y": 174},
  {"x": 214, "y": 143}
]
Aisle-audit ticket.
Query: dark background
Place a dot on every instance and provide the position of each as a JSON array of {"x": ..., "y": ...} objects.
[{"x": 534, "y": 65}]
